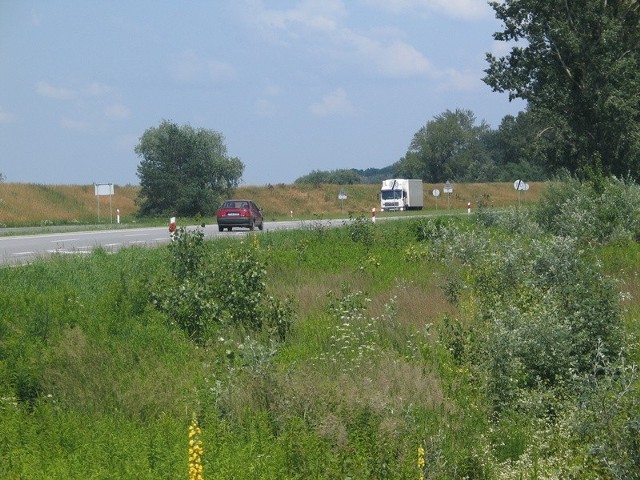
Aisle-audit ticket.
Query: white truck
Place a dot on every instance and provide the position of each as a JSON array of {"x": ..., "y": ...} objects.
[{"x": 399, "y": 194}]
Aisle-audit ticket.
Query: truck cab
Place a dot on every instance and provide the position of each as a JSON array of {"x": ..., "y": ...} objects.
[
  {"x": 392, "y": 200},
  {"x": 400, "y": 194}
]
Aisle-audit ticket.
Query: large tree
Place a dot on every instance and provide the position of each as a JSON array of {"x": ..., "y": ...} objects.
[
  {"x": 577, "y": 64},
  {"x": 517, "y": 149},
  {"x": 184, "y": 171},
  {"x": 449, "y": 147}
]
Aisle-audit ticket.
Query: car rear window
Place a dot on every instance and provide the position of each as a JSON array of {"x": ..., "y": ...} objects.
[{"x": 235, "y": 205}]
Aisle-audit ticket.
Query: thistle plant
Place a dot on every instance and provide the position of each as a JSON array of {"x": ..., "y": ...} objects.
[{"x": 195, "y": 451}]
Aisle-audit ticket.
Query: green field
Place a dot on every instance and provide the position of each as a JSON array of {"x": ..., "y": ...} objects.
[{"x": 490, "y": 346}]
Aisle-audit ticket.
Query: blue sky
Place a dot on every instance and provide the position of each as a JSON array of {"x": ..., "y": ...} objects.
[{"x": 293, "y": 86}]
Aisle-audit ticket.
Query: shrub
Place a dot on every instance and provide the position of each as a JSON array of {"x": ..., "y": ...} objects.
[
  {"x": 188, "y": 251},
  {"x": 206, "y": 290},
  {"x": 426, "y": 229},
  {"x": 608, "y": 419},
  {"x": 362, "y": 230},
  {"x": 540, "y": 308},
  {"x": 604, "y": 212},
  {"x": 515, "y": 220}
]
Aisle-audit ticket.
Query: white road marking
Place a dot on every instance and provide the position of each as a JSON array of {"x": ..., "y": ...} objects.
[{"x": 70, "y": 252}]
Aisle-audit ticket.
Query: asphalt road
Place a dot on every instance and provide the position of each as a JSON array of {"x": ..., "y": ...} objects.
[{"x": 21, "y": 249}]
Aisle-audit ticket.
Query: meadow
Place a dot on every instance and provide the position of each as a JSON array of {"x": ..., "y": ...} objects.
[{"x": 499, "y": 345}]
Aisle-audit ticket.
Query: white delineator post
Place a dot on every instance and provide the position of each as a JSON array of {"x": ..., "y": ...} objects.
[
  {"x": 118, "y": 216},
  {"x": 469, "y": 207},
  {"x": 172, "y": 227},
  {"x": 373, "y": 214}
]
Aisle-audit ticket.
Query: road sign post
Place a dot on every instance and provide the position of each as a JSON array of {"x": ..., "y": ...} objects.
[
  {"x": 520, "y": 186},
  {"x": 101, "y": 190},
  {"x": 448, "y": 189},
  {"x": 342, "y": 196}
]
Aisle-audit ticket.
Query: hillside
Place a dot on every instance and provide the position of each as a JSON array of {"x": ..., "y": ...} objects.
[{"x": 35, "y": 204}]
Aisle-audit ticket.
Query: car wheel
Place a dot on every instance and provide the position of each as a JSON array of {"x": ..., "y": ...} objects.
[
  {"x": 251, "y": 225},
  {"x": 220, "y": 228},
  {"x": 261, "y": 227},
  {"x": 229, "y": 228}
]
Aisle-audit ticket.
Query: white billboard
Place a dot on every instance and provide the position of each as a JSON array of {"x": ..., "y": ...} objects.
[{"x": 103, "y": 189}]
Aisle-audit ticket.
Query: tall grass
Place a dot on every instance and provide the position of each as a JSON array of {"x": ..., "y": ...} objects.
[
  {"x": 394, "y": 343},
  {"x": 84, "y": 350},
  {"x": 35, "y": 204}
]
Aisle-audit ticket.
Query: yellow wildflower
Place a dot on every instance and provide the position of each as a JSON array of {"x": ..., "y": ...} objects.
[{"x": 195, "y": 451}]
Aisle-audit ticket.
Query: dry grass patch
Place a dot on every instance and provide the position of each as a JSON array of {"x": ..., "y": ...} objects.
[
  {"x": 394, "y": 386},
  {"x": 310, "y": 289},
  {"x": 390, "y": 386},
  {"x": 42, "y": 204},
  {"x": 304, "y": 200},
  {"x": 309, "y": 200},
  {"x": 416, "y": 305}
]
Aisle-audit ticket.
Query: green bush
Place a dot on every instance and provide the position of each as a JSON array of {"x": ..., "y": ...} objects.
[
  {"x": 188, "y": 252},
  {"x": 362, "y": 231},
  {"x": 427, "y": 229},
  {"x": 541, "y": 309},
  {"x": 208, "y": 289},
  {"x": 605, "y": 212}
]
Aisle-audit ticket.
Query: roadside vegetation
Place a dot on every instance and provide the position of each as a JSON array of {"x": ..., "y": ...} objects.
[{"x": 499, "y": 345}]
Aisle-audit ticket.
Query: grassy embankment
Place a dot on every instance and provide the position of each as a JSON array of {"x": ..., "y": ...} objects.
[
  {"x": 475, "y": 338},
  {"x": 33, "y": 205}
]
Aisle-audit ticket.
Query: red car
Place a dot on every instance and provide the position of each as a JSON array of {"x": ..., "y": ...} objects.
[{"x": 239, "y": 213}]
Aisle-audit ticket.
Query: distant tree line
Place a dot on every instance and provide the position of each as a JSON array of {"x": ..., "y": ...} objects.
[
  {"x": 346, "y": 176},
  {"x": 339, "y": 177},
  {"x": 454, "y": 146}
]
